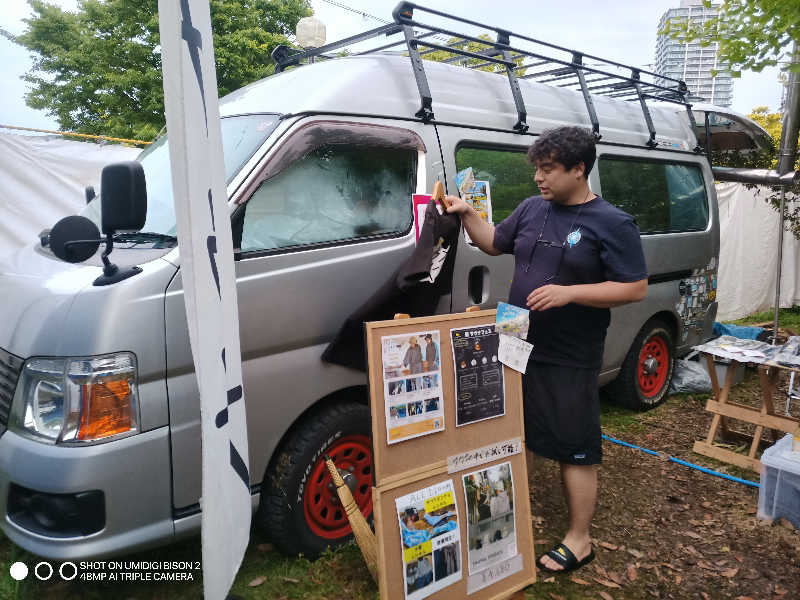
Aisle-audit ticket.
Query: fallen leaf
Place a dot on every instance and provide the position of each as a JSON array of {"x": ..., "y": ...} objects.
[
  {"x": 751, "y": 511},
  {"x": 780, "y": 591},
  {"x": 744, "y": 598},
  {"x": 704, "y": 565},
  {"x": 257, "y": 581},
  {"x": 606, "y": 583},
  {"x": 556, "y": 596},
  {"x": 669, "y": 566},
  {"x": 695, "y": 523},
  {"x": 635, "y": 553},
  {"x": 751, "y": 574},
  {"x": 730, "y": 572},
  {"x": 550, "y": 580},
  {"x": 693, "y": 535},
  {"x": 290, "y": 580},
  {"x": 578, "y": 580},
  {"x": 725, "y": 549},
  {"x": 705, "y": 596},
  {"x": 739, "y": 557},
  {"x": 600, "y": 571},
  {"x": 605, "y": 595},
  {"x": 265, "y": 547},
  {"x": 707, "y": 505},
  {"x": 633, "y": 574},
  {"x": 786, "y": 523},
  {"x": 615, "y": 577},
  {"x": 609, "y": 546},
  {"x": 678, "y": 579}
]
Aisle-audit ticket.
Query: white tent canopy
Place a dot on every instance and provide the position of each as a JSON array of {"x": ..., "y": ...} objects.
[
  {"x": 42, "y": 179},
  {"x": 748, "y": 254}
]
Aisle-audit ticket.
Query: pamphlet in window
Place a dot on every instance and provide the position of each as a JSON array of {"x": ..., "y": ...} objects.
[
  {"x": 412, "y": 385},
  {"x": 480, "y": 198},
  {"x": 464, "y": 181},
  {"x": 430, "y": 534}
]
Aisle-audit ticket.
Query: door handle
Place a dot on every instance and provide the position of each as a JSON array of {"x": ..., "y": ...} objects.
[{"x": 478, "y": 284}]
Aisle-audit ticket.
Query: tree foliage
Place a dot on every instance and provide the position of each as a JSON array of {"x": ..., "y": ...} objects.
[
  {"x": 470, "y": 46},
  {"x": 752, "y": 34},
  {"x": 98, "y": 70}
]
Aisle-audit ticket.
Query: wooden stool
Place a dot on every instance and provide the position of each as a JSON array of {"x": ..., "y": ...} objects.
[{"x": 722, "y": 409}]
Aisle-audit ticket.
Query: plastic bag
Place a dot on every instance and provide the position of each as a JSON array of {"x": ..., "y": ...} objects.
[{"x": 689, "y": 378}]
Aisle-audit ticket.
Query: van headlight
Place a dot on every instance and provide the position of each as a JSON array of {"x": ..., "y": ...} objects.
[{"x": 77, "y": 400}]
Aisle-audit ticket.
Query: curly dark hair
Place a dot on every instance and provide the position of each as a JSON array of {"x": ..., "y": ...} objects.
[{"x": 569, "y": 146}]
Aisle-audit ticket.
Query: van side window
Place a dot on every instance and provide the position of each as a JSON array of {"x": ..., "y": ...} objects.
[
  {"x": 508, "y": 172},
  {"x": 662, "y": 197},
  {"x": 335, "y": 192}
]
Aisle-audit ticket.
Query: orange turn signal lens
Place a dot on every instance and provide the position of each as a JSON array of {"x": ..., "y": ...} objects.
[{"x": 106, "y": 409}]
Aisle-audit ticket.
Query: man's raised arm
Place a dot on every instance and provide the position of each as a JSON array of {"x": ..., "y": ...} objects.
[{"x": 480, "y": 232}]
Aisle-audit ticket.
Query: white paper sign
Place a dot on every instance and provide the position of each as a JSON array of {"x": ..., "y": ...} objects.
[
  {"x": 481, "y": 456},
  {"x": 494, "y": 574},
  {"x": 207, "y": 272},
  {"x": 514, "y": 352}
]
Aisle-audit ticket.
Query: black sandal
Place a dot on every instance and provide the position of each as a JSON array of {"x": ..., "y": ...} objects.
[{"x": 564, "y": 556}]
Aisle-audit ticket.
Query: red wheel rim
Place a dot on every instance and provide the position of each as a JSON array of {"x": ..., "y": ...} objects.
[
  {"x": 653, "y": 368},
  {"x": 323, "y": 511}
]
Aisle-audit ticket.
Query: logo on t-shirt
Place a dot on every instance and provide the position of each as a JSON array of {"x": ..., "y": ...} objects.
[{"x": 574, "y": 238}]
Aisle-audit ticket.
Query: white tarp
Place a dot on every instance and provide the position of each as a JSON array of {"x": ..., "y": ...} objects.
[
  {"x": 42, "y": 179},
  {"x": 209, "y": 284},
  {"x": 748, "y": 254}
]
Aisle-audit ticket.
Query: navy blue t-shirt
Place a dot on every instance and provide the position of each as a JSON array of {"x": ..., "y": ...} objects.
[{"x": 584, "y": 243}]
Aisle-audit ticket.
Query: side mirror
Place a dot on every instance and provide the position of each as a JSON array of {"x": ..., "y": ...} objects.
[
  {"x": 74, "y": 239},
  {"x": 123, "y": 197}
]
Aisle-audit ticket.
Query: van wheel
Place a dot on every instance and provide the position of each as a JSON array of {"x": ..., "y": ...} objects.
[
  {"x": 646, "y": 373},
  {"x": 300, "y": 510}
]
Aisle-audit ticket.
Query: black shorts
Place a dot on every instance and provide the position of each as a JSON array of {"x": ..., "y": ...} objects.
[{"x": 562, "y": 413}]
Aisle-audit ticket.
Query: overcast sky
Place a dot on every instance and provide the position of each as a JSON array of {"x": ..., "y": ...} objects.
[{"x": 620, "y": 30}]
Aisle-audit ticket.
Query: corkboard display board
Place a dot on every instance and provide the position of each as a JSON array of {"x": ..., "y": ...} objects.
[
  {"x": 407, "y": 467},
  {"x": 427, "y": 452},
  {"x": 390, "y": 551}
]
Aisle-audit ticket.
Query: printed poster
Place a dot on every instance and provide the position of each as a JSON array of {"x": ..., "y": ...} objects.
[
  {"x": 491, "y": 531},
  {"x": 479, "y": 374},
  {"x": 480, "y": 198},
  {"x": 412, "y": 385},
  {"x": 430, "y": 538}
]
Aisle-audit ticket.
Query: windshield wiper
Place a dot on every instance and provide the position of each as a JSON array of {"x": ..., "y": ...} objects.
[{"x": 143, "y": 237}]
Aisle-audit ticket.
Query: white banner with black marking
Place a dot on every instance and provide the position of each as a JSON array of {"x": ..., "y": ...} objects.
[{"x": 209, "y": 284}]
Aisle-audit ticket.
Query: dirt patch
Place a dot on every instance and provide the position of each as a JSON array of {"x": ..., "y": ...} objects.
[{"x": 663, "y": 530}]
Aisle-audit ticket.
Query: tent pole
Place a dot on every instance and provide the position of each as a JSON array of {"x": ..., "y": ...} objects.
[{"x": 780, "y": 264}]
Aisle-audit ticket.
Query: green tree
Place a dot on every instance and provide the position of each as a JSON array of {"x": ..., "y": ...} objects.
[
  {"x": 470, "y": 46},
  {"x": 98, "y": 70},
  {"x": 752, "y": 34}
]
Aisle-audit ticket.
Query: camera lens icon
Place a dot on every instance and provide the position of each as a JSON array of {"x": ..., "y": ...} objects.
[
  {"x": 43, "y": 571},
  {"x": 18, "y": 571}
]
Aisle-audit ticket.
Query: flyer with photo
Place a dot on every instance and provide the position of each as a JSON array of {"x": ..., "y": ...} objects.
[
  {"x": 412, "y": 385},
  {"x": 480, "y": 393},
  {"x": 491, "y": 531},
  {"x": 430, "y": 538},
  {"x": 479, "y": 197}
]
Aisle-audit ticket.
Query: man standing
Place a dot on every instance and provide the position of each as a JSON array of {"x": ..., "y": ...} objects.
[{"x": 575, "y": 257}]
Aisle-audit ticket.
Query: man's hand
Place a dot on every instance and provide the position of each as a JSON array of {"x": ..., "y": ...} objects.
[
  {"x": 549, "y": 296},
  {"x": 454, "y": 204}
]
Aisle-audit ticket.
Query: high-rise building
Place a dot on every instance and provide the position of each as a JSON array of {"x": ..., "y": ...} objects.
[{"x": 692, "y": 62}]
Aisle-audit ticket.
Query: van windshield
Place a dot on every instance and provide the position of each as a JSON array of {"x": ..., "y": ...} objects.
[{"x": 241, "y": 137}]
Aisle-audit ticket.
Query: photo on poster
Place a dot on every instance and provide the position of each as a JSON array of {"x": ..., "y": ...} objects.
[
  {"x": 480, "y": 391},
  {"x": 491, "y": 532},
  {"x": 430, "y": 537},
  {"x": 412, "y": 385}
]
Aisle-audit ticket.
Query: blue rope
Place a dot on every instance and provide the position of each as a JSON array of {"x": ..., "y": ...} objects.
[{"x": 684, "y": 463}]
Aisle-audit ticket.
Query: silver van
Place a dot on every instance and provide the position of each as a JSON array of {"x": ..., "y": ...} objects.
[{"x": 99, "y": 406}]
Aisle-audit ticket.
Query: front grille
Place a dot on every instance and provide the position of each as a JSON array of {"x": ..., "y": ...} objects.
[{"x": 10, "y": 367}]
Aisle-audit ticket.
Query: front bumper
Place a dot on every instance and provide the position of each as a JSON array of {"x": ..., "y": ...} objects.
[{"x": 133, "y": 475}]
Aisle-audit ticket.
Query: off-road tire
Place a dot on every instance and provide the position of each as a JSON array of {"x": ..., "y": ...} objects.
[
  {"x": 281, "y": 513},
  {"x": 627, "y": 389}
]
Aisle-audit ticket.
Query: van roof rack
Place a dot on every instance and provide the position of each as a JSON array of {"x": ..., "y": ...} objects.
[{"x": 599, "y": 77}]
